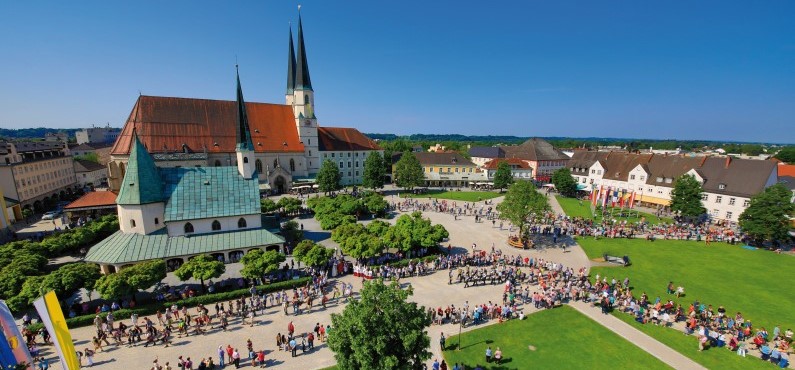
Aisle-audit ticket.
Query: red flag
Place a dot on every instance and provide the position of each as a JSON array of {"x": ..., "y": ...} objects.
[{"x": 632, "y": 200}]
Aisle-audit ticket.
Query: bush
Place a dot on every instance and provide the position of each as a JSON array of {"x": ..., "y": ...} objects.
[{"x": 149, "y": 309}]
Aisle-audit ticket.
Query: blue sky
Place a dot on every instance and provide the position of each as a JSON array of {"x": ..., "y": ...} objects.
[{"x": 721, "y": 70}]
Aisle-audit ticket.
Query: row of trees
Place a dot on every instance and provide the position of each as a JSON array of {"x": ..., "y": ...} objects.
[
  {"x": 286, "y": 205},
  {"x": 329, "y": 176},
  {"x": 410, "y": 232},
  {"x": 334, "y": 211}
]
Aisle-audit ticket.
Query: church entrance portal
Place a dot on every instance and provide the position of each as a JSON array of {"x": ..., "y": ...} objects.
[{"x": 278, "y": 185}]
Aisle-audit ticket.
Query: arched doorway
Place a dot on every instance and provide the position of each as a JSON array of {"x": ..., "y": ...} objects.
[
  {"x": 174, "y": 264},
  {"x": 278, "y": 184},
  {"x": 37, "y": 206},
  {"x": 219, "y": 257},
  {"x": 235, "y": 256}
]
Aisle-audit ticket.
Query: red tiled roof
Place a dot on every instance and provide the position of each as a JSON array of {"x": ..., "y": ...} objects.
[
  {"x": 786, "y": 170},
  {"x": 344, "y": 138},
  {"x": 164, "y": 124},
  {"x": 94, "y": 199},
  {"x": 492, "y": 164}
]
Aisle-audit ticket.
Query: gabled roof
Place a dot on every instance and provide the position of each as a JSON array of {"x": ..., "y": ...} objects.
[
  {"x": 141, "y": 183},
  {"x": 741, "y": 177},
  {"x": 208, "y": 192},
  {"x": 442, "y": 159},
  {"x": 535, "y": 149},
  {"x": 82, "y": 165},
  {"x": 486, "y": 152},
  {"x": 92, "y": 200},
  {"x": 165, "y": 124},
  {"x": 344, "y": 138},
  {"x": 513, "y": 162},
  {"x": 786, "y": 170},
  {"x": 121, "y": 248},
  {"x": 83, "y": 148}
]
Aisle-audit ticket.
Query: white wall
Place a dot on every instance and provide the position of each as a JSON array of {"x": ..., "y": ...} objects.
[
  {"x": 144, "y": 216},
  {"x": 204, "y": 225}
]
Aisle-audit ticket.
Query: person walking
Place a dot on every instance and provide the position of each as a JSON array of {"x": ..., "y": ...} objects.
[
  {"x": 488, "y": 354},
  {"x": 442, "y": 342},
  {"x": 221, "y": 356},
  {"x": 236, "y": 358}
]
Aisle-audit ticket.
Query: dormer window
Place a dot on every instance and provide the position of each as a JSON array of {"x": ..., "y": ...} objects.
[
  {"x": 668, "y": 180},
  {"x": 722, "y": 186},
  {"x": 659, "y": 179}
]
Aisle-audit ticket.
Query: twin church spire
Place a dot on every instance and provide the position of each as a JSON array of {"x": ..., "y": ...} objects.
[{"x": 297, "y": 66}]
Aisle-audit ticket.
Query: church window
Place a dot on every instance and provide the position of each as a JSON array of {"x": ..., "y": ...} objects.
[
  {"x": 306, "y": 99},
  {"x": 275, "y": 163},
  {"x": 292, "y": 165},
  {"x": 216, "y": 225},
  {"x": 217, "y": 163},
  {"x": 241, "y": 223},
  {"x": 245, "y": 159},
  {"x": 132, "y": 223},
  {"x": 258, "y": 165},
  {"x": 188, "y": 228},
  {"x": 308, "y": 141}
]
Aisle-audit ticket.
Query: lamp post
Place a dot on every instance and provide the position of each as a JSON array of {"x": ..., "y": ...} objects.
[{"x": 460, "y": 325}]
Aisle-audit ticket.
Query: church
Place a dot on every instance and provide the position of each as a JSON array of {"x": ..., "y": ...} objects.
[
  {"x": 174, "y": 213},
  {"x": 288, "y": 144}
]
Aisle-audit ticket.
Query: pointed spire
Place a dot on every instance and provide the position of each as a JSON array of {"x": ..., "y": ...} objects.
[
  {"x": 302, "y": 80},
  {"x": 291, "y": 66},
  {"x": 243, "y": 134},
  {"x": 142, "y": 183}
]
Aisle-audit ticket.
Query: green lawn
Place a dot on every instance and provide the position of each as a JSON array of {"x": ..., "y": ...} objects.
[
  {"x": 467, "y": 196},
  {"x": 563, "y": 339},
  {"x": 713, "y": 358},
  {"x": 576, "y": 208},
  {"x": 757, "y": 283}
]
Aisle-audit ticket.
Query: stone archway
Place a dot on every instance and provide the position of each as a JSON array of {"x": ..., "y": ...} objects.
[
  {"x": 279, "y": 185},
  {"x": 235, "y": 256}
]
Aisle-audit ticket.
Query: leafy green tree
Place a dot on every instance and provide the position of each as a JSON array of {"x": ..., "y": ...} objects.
[
  {"x": 373, "y": 171},
  {"x": 318, "y": 255},
  {"x": 408, "y": 171},
  {"x": 376, "y": 204},
  {"x": 768, "y": 215},
  {"x": 503, "y": 177},
  {"x": 289, "y": 205},
  {"x": 130, "y": 280},
  {"x": 258, "y": 263},
  {"x": 91, "y": 157},
  {"x": 202, "y": 267},
  {"x": 27, "y": 213},
  {"x": 564, "y": 182},
  {"x": 381, "y": 330},
  {"x": 14, "y": 274},
  {"x": 328, "y": 178},
  {"x": 30, "y": 291},
  {"x": 413, "y": 231},
  {"x": 523, "y": 205},
  {"x": 302, "y": 249},
  {"x": 71, "y": 277},
  {"x": 787, "y": 154},
  {"x": 686, "y": 198},
  {"x": 267, "y": 205},
  {"x": 752, "y": 149}
]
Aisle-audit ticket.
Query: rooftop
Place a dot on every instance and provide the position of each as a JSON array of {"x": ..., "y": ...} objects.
[
  {"x": 208, "y": 192},
  {"x": 82, "y": 165},
  {"x": 93, "y": 200},
  {"x": 344, "y": 139},
  {"x": 448, "y": 159}
]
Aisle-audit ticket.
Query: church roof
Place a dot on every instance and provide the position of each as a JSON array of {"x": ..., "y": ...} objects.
[
  {"x": 169, "y": 124},
  {"x": 141, "y": 183},
  {"x": 208, "y": 192},
  {"x": 344, "y": 138},
  {"x": 302, "y": 80},
  {"x": 535, "y": 149},
  {"x": 122, "y": 248}
]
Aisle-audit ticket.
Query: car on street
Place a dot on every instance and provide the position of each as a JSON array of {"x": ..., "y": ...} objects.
[{"x": 51, "y": 215}]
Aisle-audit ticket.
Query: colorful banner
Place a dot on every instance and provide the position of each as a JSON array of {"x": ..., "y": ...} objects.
[
  {"x": 632, "y": 200},
  {"x": 13, "y": 350},
  {"x": 53, "y": 319},
  {"x": 604, "y": 197}
]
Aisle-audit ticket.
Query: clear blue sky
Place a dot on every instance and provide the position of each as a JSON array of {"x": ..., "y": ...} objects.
[{"x": 720, "y": 70}]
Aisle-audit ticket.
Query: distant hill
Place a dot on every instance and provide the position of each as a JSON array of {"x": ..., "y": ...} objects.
[{"x": 34, "y": 133}]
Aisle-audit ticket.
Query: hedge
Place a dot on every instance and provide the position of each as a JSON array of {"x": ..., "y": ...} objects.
[{"x": 149, "y": 309}]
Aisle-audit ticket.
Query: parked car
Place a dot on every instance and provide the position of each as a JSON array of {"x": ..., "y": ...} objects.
[{"x": 51, "y": 215}]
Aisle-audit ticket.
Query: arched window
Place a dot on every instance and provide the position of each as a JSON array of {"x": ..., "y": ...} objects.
[
  {"x": 157, "y": 221},
  {"x": 241, "y": 223},
  {"x": 292, "y": 165},
  {"x": 132, "y": 223},
  {"x": 275, "y": 163},
  {"x": 245, "y": 159},
  {"x": 258, "y": 165},
  {"x": 306, "y": 99},
  {"x": 188, "y": 228},
  {"x": 217, "y": 163},
  {"x": 216, "y": 225}
]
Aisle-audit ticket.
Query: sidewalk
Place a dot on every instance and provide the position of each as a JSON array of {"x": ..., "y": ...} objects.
[{"x": 636, "y": 337}]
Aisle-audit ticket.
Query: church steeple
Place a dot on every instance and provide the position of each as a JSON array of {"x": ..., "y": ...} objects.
[
  {"x": 244, "y": 150},
  {"x": 302, "y": 80},
  {"x": 291, "y": 66},
  {"x": 243, "y": 134},
  {"x": 141, "y": 184}
]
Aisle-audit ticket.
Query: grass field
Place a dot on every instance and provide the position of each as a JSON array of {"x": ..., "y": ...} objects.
[
  {"x": 562, "y": 339},
  {"x": 712, "y": 358},
  {"x": 573, "y": 208},
  {"x": 757, "y": 283},
  {"x": 467, "y": 196}
]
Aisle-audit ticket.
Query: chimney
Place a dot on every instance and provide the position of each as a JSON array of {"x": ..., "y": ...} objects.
[{"x": 728, "y": 161}]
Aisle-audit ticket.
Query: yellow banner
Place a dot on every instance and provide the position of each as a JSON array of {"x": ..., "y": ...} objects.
[{"x": 61, "y": 332}]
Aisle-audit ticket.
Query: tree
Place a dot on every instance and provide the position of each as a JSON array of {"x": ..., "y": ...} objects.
[
  {"x": 202, "y": 267},
  {"x": 503, "y": 177},
  {"x": 523, "y": 205},
  {"x": 564, "y": 182},
  {"x": 408, "y": 171},
  {"x": 71, "y": 277},
  {"x": 376, "y": 204},
  {"x": 768, "y": 215},
  {"x": 289, "y": 205},
  {"x": 413, "y": 232},
  {"x": 686, "y": 198},
  {"x": 258, "y": 263},
  {"x": 91, "y": 157},
  {"x": 381, "y": 330},
  {"x": 373, "y": 171},
  {"x": 266, "y": 205},
  {"x": 130, "y": 280},
  {"x": 27, "y": 213},
  {"x": 302, "y": 249},
  {"x": 328, "y": 178},
  {"x": 292, "y": 231},
  {"x": 787, "y": 154},
  {"x": 318, "y": 255}
]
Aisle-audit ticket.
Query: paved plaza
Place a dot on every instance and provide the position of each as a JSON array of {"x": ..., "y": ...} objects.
[{"x": 430, "y": 291}]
